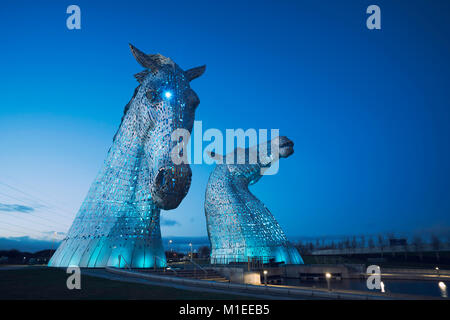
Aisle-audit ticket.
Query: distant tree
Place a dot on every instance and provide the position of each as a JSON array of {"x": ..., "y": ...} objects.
[
  {"x": 405, "y": 248},
  {"x": 370, "y": 243},
  {"x": 390, "y": 236},
  {"x": 332, "y": 245},
  {"x": 363, "y": 241},
  {"x": 436, "y": 244},
  {"x": 302, "y": 248},
  {"x": 381, "y": 243},
  {"x": 418, "y": 245},
  {"x": 347, "y": 243},
  {"x": 354, "y": 243}
]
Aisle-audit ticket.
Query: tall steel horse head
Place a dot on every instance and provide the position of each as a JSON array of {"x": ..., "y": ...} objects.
[
  {"x": 240, "y": 227},
  {"x": 118, "y": 223}
]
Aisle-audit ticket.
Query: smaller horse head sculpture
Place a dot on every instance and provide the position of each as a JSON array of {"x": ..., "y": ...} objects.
[
  {"x": 240, "y": 227},
  {"x": 164, "y": 102},
  {"x": 249, "y": 164}
]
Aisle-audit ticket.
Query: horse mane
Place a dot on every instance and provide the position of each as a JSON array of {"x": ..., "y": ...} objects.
[{"x": 125, "y": 110}]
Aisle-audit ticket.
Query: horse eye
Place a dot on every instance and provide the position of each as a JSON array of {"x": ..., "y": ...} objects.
[{"x": 168, "y": 95}]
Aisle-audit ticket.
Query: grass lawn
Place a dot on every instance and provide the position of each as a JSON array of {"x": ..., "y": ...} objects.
[{"x": 47, "y": 283}]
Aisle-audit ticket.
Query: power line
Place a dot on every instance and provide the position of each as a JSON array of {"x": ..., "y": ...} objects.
[
  {"x": 39, "y": 217},
  {"x": 15, "y": 231},
  {"x": 34, "y": 198},
  {"x": 34, "y": 232},
  {"x": 34, "y": 222},
  {"x": 37, "y": 203},
  {"x": 20, "y": 200},
  {"x": 22, "y": 227},
  {"x": 39, "y": 192}
]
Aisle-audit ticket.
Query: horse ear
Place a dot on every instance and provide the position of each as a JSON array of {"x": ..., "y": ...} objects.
[
  {"x": 149, "y": 61},
  {"x": 140, "y": 57},
  {"x": 193, "y": 73}
]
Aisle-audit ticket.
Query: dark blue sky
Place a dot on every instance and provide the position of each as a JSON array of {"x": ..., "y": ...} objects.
[{"x": 368, "y": 110}]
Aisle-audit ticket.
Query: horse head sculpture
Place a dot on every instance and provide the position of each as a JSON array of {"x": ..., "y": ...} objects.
[
  {"x": 240, "y": 227},
  {"x": 118, "y": 223},
  {"x": 165, "y": 102}
]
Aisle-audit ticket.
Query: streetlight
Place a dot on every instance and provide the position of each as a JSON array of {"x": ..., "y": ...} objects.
[
  {"x": 190, "y": 245},
  {"x": 265, "y": 277},
  {"x": 437, "y": 271},
  {"x": 328, "y": 277},
  {"x": 170, "y": 248}
]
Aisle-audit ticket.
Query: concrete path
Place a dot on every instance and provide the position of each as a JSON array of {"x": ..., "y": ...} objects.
[
  {"x": 102, "y": 273},
  {"x": 269, "y": 291}
]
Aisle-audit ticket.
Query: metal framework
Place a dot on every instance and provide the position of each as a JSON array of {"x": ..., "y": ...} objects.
[
  {"x": 118, "y": 223},
  {"x": 240, "y": 227}
]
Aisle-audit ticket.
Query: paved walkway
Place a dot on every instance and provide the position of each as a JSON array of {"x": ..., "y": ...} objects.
[
  {"x": 102, "y": 273},
  {"x": 269, "y": 291}
]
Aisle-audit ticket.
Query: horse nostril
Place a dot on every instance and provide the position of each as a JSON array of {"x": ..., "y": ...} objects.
[{"x": 160, "y": 177}]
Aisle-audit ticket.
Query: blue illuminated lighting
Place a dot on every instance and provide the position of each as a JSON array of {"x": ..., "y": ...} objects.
[
  {"x": 240, "y": 227},
  {"x": 168, "y": 94},
  {"x": 118, "y": 223}
]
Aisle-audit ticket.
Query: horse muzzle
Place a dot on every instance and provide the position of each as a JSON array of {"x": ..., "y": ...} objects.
[
  {"x": 286, "y": 147},
  {"x": 170, "y": 186}
]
